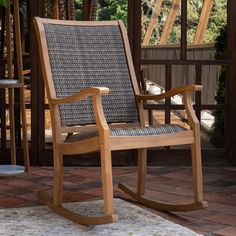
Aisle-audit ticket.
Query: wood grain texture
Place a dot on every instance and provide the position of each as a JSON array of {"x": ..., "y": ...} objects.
[
  {"x": 153, "y": 22},
  {"x": 104, "y": 142},
  {"x": 20, "y": 70},
  {"x": 162, "y": 205},
  {"x": 203, "y": 21},
  {"x": 12, "y": 84},
  {"x": 170, "y": 21}
]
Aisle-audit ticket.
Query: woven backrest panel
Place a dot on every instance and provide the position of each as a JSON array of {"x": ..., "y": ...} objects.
[{"x": 90, "y": 56}]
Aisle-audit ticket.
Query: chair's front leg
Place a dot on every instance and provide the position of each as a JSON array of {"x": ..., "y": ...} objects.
[
  {"x": 58, "y": 178},
  {"x": 195, "y": 148},
  {"x": 197, "y": 167},
  {"x": 105, "y": 152},
  {"x": 142, "y": 170},
  {"x": 106, "y": 171}
]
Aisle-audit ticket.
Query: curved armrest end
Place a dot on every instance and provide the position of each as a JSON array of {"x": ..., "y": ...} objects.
[
  {"x": 191, "y": 87},
  {"x": 82, "y": 94},
  {"x": 170, "y": 93}
]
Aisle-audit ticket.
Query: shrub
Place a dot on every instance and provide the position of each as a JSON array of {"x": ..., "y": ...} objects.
[{"x": 218, "y": 128}]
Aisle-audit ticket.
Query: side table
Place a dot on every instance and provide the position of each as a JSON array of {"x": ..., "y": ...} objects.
[{"x": 14, "y": 169}]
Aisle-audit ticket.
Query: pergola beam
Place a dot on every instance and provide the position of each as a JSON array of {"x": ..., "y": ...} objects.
[
  {"x": 203, "y": 21},
  {"x": 153, "y": 20},
  {"x": 170, "y": 21}
]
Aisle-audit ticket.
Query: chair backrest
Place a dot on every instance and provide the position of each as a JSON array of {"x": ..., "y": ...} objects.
[{"x": 89, "y": 55}]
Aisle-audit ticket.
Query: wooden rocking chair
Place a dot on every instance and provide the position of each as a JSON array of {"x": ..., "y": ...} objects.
[{"x": 93, "y": 94}]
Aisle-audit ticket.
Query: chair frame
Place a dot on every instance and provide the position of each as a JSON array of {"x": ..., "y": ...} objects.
[{"x": 105, "y": 143}]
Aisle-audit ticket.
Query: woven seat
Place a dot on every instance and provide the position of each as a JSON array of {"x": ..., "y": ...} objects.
[
  {"x": 94, "y": 98},
  {"x": 134, "y": 131}
]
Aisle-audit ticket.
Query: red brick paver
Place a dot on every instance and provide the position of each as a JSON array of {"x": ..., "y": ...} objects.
[{"x": 171, "y": 184}]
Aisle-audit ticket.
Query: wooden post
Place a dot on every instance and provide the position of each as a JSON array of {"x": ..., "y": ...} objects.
[
  {"x": 153, "y": 21},
  {"x": 37, "y": 91},
  {"x": 21, "y": 80},
  {"x": 231, "y": 85},
  {"x": 68, "y": 10},
  {"x": 203, "y": 21},
  {"x": 134, "y": 33},
  {"x": 183, "y": 42},
  {"x": 170, "y": 21},
  {"x": 10, "y": 91},
  {"x": 168, "y": 85},
  {"x": 131, "y": 5},
  {"x": 86, "y": 9},
  {"x": 56, "y": 9},
  {"x": 93, "y": 9},
  {"x": 198, "y": 102},
  {"x": 2, "y": 74}
]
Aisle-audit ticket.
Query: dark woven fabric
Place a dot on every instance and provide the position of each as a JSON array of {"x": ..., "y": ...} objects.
[
  {"x": 133, "y": 131},
  {"x": 81, "y": 57},
  {"x": 149, "y": 130}
]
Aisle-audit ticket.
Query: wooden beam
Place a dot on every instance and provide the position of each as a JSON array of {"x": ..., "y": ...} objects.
[
  {"x": 2, "y": 32},
  {"x": 37, "y": 91},
  {"x": 2, "y": 74},
  {"x": 131, "y": 24},
  {"x": 10, "y": 91},
  {"x": 183, "y": 41},
  {"x": 170, "y": 21},
  {"x": 231, "y": 85},
  {"x": 19, "y": 58},
  {"x": 68, "y": 10},
  {"x": 87, "y": 9},
  {"x": 153, "y": 21},
  {"x": 56, "y": 9},
  {"x": 93, "y": 9},
  {"x": 134, "y": 33},
  {"x": 9, "y": 44},
  {"x": 203, "y": 21}
]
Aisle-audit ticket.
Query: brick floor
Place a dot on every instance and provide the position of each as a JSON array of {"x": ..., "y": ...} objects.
[{"x": 171, "y": 184}]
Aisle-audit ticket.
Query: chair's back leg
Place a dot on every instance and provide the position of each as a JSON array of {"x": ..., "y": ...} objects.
[
  {"x": 142, "y": 170},
  {"x": 106, "y": 171},
  {"x": 197, "y": 169},
  {"x": 58, "y": 178}
]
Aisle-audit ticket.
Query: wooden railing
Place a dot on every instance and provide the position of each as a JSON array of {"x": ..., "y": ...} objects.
[
  {"x": 162, "y": 65},
  {"x": 184, "y": 74}
]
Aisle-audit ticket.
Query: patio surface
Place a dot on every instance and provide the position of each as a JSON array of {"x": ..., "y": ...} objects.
[{"x": 166, "y": 183}]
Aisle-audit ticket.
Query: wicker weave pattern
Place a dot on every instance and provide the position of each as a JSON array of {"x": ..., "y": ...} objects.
[
  {"x": 133, "y": 131},
  {"x": 82, "y": 57}
]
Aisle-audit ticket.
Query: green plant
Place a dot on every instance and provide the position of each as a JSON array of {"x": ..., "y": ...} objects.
[
  {"x": 4, "y": 3},
  {"x": 218, "y": 127},
  {"x": 22, "y": 5},
  {"x": 112, "y": 10},
  {"x": 118, "y": 9},
  {"x": 79, "y": 11}
]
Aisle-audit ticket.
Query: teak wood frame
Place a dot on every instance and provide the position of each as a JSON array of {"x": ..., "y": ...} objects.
[{"x": 105, "y": 143}]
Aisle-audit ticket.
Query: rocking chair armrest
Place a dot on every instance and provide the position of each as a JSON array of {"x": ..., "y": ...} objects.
[
  {"x": 169, "y": 93},
  {"x": 95, "y": 93},
  {"x": 185, "y": 90},
  {"x": 81, "y": 95}
]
